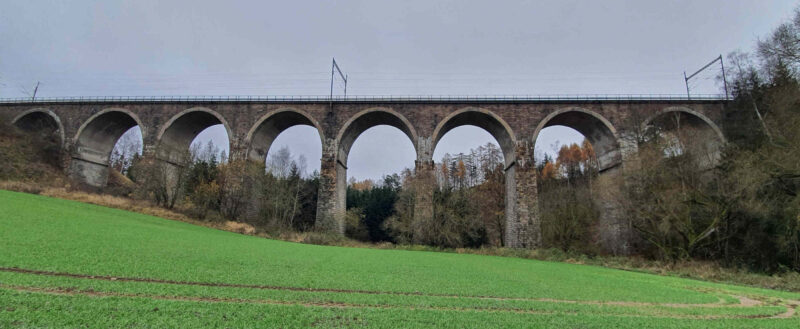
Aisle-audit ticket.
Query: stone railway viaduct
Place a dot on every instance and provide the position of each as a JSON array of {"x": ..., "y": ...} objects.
[{"x": 89, "y": 130}]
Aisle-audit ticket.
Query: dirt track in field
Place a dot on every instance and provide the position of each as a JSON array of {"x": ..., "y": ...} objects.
[
  {"x": 97, "y": 294},
  {"x": 744, "y": 301},
  {"x": 301, "y": 289}
]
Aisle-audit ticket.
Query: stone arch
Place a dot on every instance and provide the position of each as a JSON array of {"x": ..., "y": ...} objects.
[
  {"x": 176, "y": 135},
  {"x": 707, "y": 140},
  {"x": 330, "y": 212},
  {"x": 596, "y": 128},
  {"x": 94, "y": 142},
  {"x": 483, "y": 119},
  {"x": 40, "y": 118},
  {"x": 260, "y": 137},
  {"x": 696, "y": 118},
  {"x": 504, "y": 135},
  {"x": 605, "y": 140},
  {"x": 102, "y": 130},
  {"x": 366, "y": 119}
]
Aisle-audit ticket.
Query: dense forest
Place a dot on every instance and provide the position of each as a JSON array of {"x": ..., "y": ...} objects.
[{"x": 745, "y": 210}]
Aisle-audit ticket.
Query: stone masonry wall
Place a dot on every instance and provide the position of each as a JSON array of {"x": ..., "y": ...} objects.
[{"x": 88, "y": 128}]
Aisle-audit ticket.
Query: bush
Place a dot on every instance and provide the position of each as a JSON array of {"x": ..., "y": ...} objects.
[
  {"x": 204, "y": 198},
  {"x": 355, "y": 228}
]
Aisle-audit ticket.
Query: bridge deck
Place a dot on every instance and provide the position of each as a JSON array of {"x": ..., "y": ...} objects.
[{"x": 664, "y": 98}]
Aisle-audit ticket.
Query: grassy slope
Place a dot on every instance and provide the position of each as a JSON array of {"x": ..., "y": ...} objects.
[{"x": 63, "y": 236}]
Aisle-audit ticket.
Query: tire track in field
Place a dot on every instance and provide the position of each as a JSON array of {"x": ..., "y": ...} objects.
[
  {"x": 720, "y": 302},
  {"x": 346, "y": 291},
  {"x": 342, "y": 305},
  {"x": 227, "y": 285}
]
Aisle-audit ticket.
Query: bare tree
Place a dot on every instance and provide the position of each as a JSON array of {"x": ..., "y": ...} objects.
[{"x": 126, "y": 149}]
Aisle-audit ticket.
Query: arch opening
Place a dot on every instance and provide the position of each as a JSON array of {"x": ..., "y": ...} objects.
[
  {"x": 577, "y": 155},
  {"x": 210, "y": 143},
  {"x": 678, "y": 131},
  {"x": 551, "y": 140},
  {"x": 499, "y": 175},
  {"x": 370, "y": 158},
  {"x": 570, "y": 191},
  {"x": 377, "y": 176},
  {"x": 95, "y": 142},
  {"x": 290, "y": 129},
  {"x": 470, "y": 175},
  {"x": 472, "y": 144},
  {"x": 369, "y": 140},
  {"x": 490, "y": 123},
  {"x": 597, "y": 130},
  {"x": 192, "y": 135},
  {"x": 174, "y": 143},
  {"x": 298, "y": 144},
  {"x": 43, "y": 122},
  {"x": 366, "y": 120},
  {"x": 127, "y": 148}
]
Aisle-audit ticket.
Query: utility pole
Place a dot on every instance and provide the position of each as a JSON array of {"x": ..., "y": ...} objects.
[
  {"x": 686, "y": 80},
  {"x": 334, "y": 69},
  {"x": 35, "y": 89},
  {"x": 724, "y": 79}
]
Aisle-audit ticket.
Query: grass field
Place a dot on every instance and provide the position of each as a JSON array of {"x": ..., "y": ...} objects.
[{"x": 69, "y": 264}]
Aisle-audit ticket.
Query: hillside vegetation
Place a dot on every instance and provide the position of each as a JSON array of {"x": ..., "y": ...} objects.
[
  {"x": 68, "y": 264},
  {"x": 29, "y": 156}
]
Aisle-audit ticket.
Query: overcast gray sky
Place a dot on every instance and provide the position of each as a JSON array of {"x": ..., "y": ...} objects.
[{"x": 190, "y": 47}]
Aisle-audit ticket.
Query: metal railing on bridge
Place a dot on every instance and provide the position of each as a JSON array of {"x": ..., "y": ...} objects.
[{"x": 370, "y": 98}]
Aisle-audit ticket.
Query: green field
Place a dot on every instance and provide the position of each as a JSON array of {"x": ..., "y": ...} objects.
[{"x": 69, "y": 264}]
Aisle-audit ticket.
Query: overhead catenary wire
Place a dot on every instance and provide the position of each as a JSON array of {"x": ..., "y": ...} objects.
[{"x": 305, "y": 83}]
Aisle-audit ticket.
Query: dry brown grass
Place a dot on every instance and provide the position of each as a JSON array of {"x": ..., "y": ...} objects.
[
  {"x": 124, "y": 203},
  {"x": 24, "y": 187},
  {"x": 237, "y": 227}
]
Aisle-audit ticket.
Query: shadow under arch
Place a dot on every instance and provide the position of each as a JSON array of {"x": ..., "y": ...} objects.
[
  {"x": 704, "y": 137},
  {"x": 267, "y": 128},
  {"x": 176, "y": 135},
  {"x": 696, "y": 119},
  {"x": 594, "y": 127},
  {"x": 95, "y": 141},
  {"x": 41, "y": 119}
]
